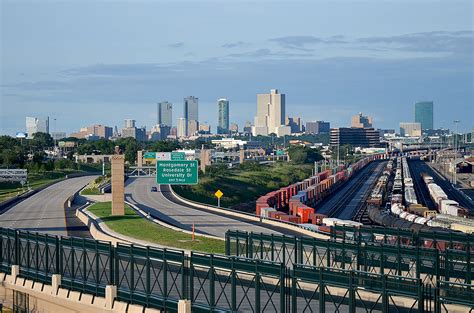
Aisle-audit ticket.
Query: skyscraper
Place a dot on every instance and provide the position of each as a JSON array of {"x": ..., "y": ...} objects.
[
  {"x": 424, "y": 114},
  {"x": 270, "y": 115},
  {"x": 164, "y": 113},
  {"x": 223, "y": 116},
  {"x": 129, "y": 123},
  {"x": 361, "y": 121},
  {"x": 182, "y": 127},
  {"x": 191, "y": 111},
  {"x": 37, "y": 125}
]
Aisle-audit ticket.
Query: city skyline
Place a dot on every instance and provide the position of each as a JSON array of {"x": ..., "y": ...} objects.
[{"x": 328, "y": 70}]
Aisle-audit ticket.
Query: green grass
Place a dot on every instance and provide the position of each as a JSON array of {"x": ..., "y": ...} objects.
[
  {"x": 94, "y": 191},
  {"x": 242, "y": 187},
  {"x": 36, "y": 180},
  {"x": 133, "y": 225}
]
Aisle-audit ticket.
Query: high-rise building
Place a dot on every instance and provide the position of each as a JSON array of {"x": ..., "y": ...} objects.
[
  {"x": 412, "y": 129},
  {"x": 317, "y": 127},
  {"x": 191, "y": 108},
  {"x": 223, "y": 116},
  {"x": 248, "y": 128},
  {"x": 424, "y": 114},
  {"x": 204, "y": 128},
  {"x": 160, "y": 132},
  {"x": 139, "y": 133},
  {"x": 164, "y": 113},
  {"x": 182, "y": 127},
  {"x": 357, "y": 137},
  {"x": 129, "y": 123},
  {"x": 361, "y": 121},
  {"x": 294, "y": 123},
  {"x": 270, "y": 115},
  {"x": 36, "y": 125}
]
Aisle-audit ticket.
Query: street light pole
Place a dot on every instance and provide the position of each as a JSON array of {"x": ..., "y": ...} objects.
[{"x": 456, "y": 122}]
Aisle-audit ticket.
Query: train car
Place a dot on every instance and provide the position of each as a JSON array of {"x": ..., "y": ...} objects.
[
  {"x": 304, "y": 213},
  {"x": 427, "y": 178},
  {"x": 437, "y": 194},
  {"x": 410, "y": 196},
  {"x": 265, "y": 212}
]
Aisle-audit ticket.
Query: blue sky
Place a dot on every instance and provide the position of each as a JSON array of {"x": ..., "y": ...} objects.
[{"x": 85, "y": 62}]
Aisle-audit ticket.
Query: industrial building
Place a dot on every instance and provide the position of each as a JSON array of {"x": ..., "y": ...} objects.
[
  {"x": 411, "y": 129},
  {"x": 358, "y": 137}
]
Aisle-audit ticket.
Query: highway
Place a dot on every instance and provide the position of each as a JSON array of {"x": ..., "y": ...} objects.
[
  {"x": 44, "y": 211},
  {"x": 163, "y": 206},
  {"x": 345, "y": 201}
]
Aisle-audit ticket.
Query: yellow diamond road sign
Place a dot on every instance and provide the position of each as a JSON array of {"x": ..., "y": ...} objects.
[{"x": 218, "y": 194}]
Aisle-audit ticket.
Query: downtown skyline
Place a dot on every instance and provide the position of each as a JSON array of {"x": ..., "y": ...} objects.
[{"x": 327, "y": 69}]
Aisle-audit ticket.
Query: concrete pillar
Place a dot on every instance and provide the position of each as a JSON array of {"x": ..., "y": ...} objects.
[
  {"x": 184, "y": 306},
  {"x": 205, "y": 159},
  {"x": 55, "y": 283},
  {"x": 241, "y": 156},
  {"x": 15, "y": 273},
  {"x": 140, "y": 158},
  {"x": 118, "y": 185},
  {"x": 110, "y": 295}
]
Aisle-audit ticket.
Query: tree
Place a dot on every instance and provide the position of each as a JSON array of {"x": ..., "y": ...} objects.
[
  {"x": 41, "y": 141},
  {"x": 300, "y": 155}
]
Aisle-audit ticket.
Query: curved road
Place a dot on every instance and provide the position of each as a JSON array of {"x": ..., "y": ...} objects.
[
  {"x": 159, "y": 205},
  {"x": 44, "y": 211}
]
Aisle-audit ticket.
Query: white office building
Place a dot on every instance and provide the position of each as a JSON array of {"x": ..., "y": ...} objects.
[
  {"x": 36, "y": 125},
  {"x": 270, "y": 115}
]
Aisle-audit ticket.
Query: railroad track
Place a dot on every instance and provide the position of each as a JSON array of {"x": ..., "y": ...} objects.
[
  {"x": 420, "y": 186},
  {"x": 343, "y": 201}
]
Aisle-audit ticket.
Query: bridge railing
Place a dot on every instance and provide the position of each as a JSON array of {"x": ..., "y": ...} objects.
[
  {"x": 428, "y": 264},
  {"x": 159, "y": 278},
  {"x": 440, "y": 240}
]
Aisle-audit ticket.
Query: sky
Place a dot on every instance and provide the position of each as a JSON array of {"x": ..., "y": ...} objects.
[{"x": 86, "y": 62}]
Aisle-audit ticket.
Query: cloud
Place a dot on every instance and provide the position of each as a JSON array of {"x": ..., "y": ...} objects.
[
  {"x": 434, "y": 42},
  {"x": 177, "y": 45},
  {"x": 236, "y": 44},
  {"x": 300, "y": 42},
  {"x": 266, "y": 53}
]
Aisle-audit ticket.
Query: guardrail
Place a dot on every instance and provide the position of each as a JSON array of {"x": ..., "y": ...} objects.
[
  {"x": 159, "y": 278},
  {"x": 429, "y": 264}
]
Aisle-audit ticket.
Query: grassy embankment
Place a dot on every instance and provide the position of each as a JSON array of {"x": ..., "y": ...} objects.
[
  {"x": 133, "y": 225},
  {"x": 92, "y": 188},
  {"x": 244, "y": 184},
  {"x": 36, "y": 180}
]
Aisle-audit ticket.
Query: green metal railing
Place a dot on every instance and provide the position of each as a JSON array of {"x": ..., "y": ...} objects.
[
  {"x": 159, "y": 278},
  {"x": 440, "y": 240},
  {"x": 428, "y": 264}
]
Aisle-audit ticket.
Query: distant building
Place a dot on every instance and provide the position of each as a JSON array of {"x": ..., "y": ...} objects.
[
  {"x": 234, "y": 128},
  {"x": 424, "y": 114},
  {"x": 193, "y": 127},
  {"x": 357, "y": 137},
  {"x": 159, "y": 132},
  {"x": 410, "y": 129},
  {"x": 129, "y": 123},
  {"x": 248, "y": 128},
  {"x": 182, "y": 127},
  {"x": 436, "y": 132},
  {"x": 270, "y": 115},
  {"x": 294, "y": 123},
  {"x": 361, "y": 121},
  {"x": 58, "y": 135},
  {"x": 98, "y": 130},
  {"x": 229, "y": 143},
  {"x": 317, "y": 127},
  {"x": 204, "y": 128},
  {"x": 174, "y": 131},
  {"x": 164, "y": 113},
  {"x": 223, "y": 116},
  {"x": 134, "y": 132},
  {"x": 37, "y": 125}
]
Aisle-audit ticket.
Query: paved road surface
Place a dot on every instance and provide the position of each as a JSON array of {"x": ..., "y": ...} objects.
[
  {"x": 44, "y": 211},
  {"x": 137, "y": 191}
]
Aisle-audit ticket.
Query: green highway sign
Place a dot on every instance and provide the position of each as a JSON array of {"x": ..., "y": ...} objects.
[
  {"x": 177, "y": 172},
  {"x": 149, "y": 155},
  {"x": 178, "y": 156}
]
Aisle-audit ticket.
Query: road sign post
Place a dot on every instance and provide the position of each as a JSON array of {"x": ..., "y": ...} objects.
[
  {"x": 219, "y": 194},
  {"x": 171, "y": 172}
]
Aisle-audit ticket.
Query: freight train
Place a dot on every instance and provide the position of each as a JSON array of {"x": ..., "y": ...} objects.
[{"x": 299, "y": 199}]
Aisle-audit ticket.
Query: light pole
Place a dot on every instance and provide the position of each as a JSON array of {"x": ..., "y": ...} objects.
[{"x": 456, "y": 122}]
